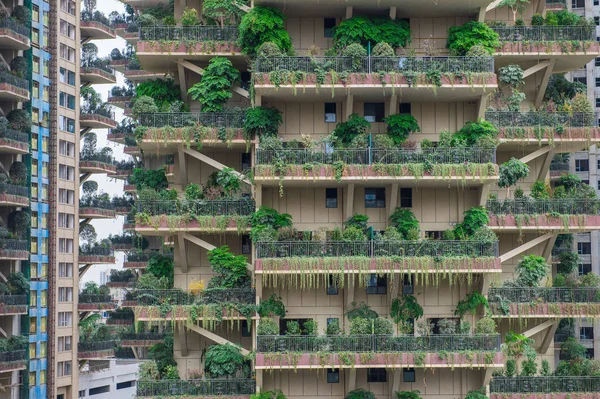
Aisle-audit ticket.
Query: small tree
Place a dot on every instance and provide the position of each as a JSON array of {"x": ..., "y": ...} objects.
[
  {"x": 531, "y": 270},
  {"x": 516, "y": 6},
  {"x": 90, "y": 187},
  {"x": 511, "y": 172}
]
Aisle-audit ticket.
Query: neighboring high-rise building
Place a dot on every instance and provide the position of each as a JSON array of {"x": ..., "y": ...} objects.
[{"x": 355, "y": 197}]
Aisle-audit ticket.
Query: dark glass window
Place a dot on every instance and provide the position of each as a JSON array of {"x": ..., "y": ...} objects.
[
  {"x": 406, "y": 197},
  {"x": 376, "y": 375},
  {"x": 331, "y": 198},
  {"x": 328, "y": 25},
  {"x": 374, "y": 197},
  {"x": 409, "y": 375},
  {"x": 377, "y": 285},
  {"x": 374, "y": 112},
  {"x": 330, "y": 112},
  {"x": 333, "y": 376}
]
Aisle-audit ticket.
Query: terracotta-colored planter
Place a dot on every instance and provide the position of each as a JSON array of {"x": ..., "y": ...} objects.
[
  {"x": 542, "y": 222},
  {"x": 14, "y": 89},
  {"x": 14, "y": 199},
  {"x": 95, "y": 306},
  {"x": 569, "y": 134},
  {"x": 13, "y": 254},
  {"x": 566, "y": 310},
  {"x": 546, "y": 48},
  {"x": 209, "y": 48},
  {"x": 162, "y": 222},
  {"x": 96, "y": 354},
  {"x": 18, "y": 145},
  {"x": 15, "y": 365},
  {"x": 13, "y": 309},
  {"x": 85, "y": 259},
  {"x": 96, "y": 212},
  {"x": 17, "y": 36},
  {"x": 135, "y": 265}
]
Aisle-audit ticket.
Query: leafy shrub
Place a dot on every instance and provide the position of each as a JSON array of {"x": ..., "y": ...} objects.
[
  {"x": 383, "y": 50},
  {"x": 148, "y": 178},
  {"x": 267, "y": 326},
  {"x": 292, "y": 327},
  {"x": 511, "y": 75},
  {"x": 531, "y": 270},
  {"x": 363, "y": 30},
  {"x": 19, "y": 120},
  {"x": 223, "y": 12},
  {"x": 163, "y": 92},
  {"x": 214, "y": 88},
  {"x": 161, "y": 266},
  {"x": 345, "y": 132},
  {"x": 379, "y": 326},
  {"x": 143, "y": 105},
  {"x": 473, "y": 220},
  {"x": 190, "y": 17},
  {"x": 223, "y": 360},
  {"x": 462, "y": 38},
  {"x": 511, "y": 172},
  {"x": 18, "y": 284},
  {"x": 18, "y": 66},
  {"x": 268, "y": 395},
  {"x": 18, "y": 222},
  {"x": 405, "y": 221},
  {"x": 262, "y": 122},
  {"x": 18, "y": 172},
  {"x": 471, "y": 132},
  {"x": 470, "y": 304},
  {"x": 484, "y": 234},
  {"x": 21, "y": 14},
  {"x": 272, "y": 307},
  {"x": 231, "y": 268},
  {"x": 193, "y": 192},
  {"x": 476, "y": 394},
  {"x": 569, "y": 262},
  {"x": 477, "y": 51},
  {"x": 581, "y": 103},
  {"x": 571, "y": 349},
  {"x": 333, "y": 327},
  {"x": 405, "y": 308},
  {"x": 485, "y": 325},
  {"x": 268, "y": 49},
  {"x": 399, "y": 126},
  {"x": 537, "y": 20},
  {"x": 357, "y": 53},
  {"x": 311, "y": 327},
  {"x": 408, "y": 394},
  {"x": 261, "y": 25},
  {"x": 357, "y": 221},
  {"x": 362, "y": 311},
  {"x": 266, "y": 216}
]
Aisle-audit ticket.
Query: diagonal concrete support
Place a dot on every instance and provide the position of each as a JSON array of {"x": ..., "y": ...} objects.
[
  {"x": 536, "y": 154},
  {"x": 183, "y": 172},
  {"x": 544, "y": 84},
  {"x": 482, "y": 106},
  {"x": 548, "y": 338},
  {"x": 182, "y": 80},
  {"x": 393, "y": 199},
  {"x": 83, "y": 178},
  {"x": 183, "y": 342},
  {"x": 547, "y": 252},
  {"x": 543, "y": 173},
  {"x": 84, "y": 269},
  {"x": 209, "y": 247},
  {"x": 485, "y": 192},
  {"x": 182, "y": 247},
  {"x": 349, "y": 210},
  {"x": 522, "y": 248},
  {"x": 539, "y": 328},
  {"x": 493, "y": 5},
  {"x": 349, "y": 105},
  {"x": 536, "y": 68},
  {"x": 214, "y": 337},
  {"x": 215, "y": 164},
  {"x": 350, "y": 379}
]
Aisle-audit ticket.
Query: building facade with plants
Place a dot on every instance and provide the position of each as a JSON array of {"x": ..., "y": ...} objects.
[{"x": 353, "y": 200}]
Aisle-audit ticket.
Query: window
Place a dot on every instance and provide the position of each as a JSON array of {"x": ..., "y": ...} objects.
[
  {"x": 35, "y": 90},
  {"x": 374, "y": 197},
  {"x": 36, "y": 64},
  {"x": 377, "y": 285},
  {"x": 328, "y": 25},
  {"x": 66, "y": 148},
  {"x": 246, "y": 329},
  {"x": 581, "y": 79},
  {"x": 246, "y": 244},
  {"x": 67, "y": 53},
  {"x": 65, "y": 245},
  {"x": 582, "y": 165},
  {"x": 65, "y": 368},
  {"x": 67, "y": 76},
  {"x": 35, "y": 36},
  {"x": 330, "y": 112},
  {"x": 66, "y": 220},
  {"x": 578, "y": 3},
  {"x": 65, "y": 270},
  {"x": 586, "y": 333},
  {"x": 597, "y": 22},
  {"x": 409, "y": 375},
  {"x": 99, "y": 390},
  {"x": 597, "y": 2},
  {"x": 331, "y": 198},
  {"x": 32, "y": 350},
  {"x": 404, "y": 109},
  {"x": 33, "y": 299},
  {"x": 43, "y": 324},
  {"x": 333, "y": 285},
  {"x": 374, "y": 112},
  {"x": 65, "y": 294},
  {"x": 376, "y": 375},
  {"x": 65, "y": 319},
  {"x": 246, "y": 164},
  {"x": 81, "y": 393},
  {"x": 66, "y": 124},
  {"x": 590, "y": 353},
  {"x": 42, "y": 377},
  {"x": 407, "y": 285},
  {"x": 65, "y": 343},
  {"x": 585, "y": 182},
  {"x": 35, "y": 115},
  {"x": 44, "y": 298},
  {"x": 585, "y": 268},
  {"x": 584, "y": 248},
  {"x": 67, "y": 29},
  {"x": 333, "y": 376},
  {"x": 66, "y": 100},
  {"x": 66, "y": 196},
  {"x": 406, "y": 197},
  {"x": 68, "y": 6},
  {"x": 32, "y": 378},
  {"x": 66, "y": 172},
  {"x": 35, "y": 13},
  {"x": 126, "y": 384}
]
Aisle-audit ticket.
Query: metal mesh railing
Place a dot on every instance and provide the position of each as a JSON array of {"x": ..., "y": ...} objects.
[
  {"x": 96, "y": 251},
  {"x": 143, "y": 336},
  {"x": 106, "y": 113},
  {"x": 95, "y": 346},
  {"x": 545, "y": 294},
  {"x": 367, "y": 156},
  {"x": 14, "y": 135},
  {"x": 434, "y": 248},
  {"x": 97, "y": 203},
  {"x": 6, "y": 77},
  {"x": 13, "y": 356},
  {"x": 189, "y": 33},
  {"x": 13, "y": 189},
  {"x": 8, "y": 23},
  {"x": 376, "y": 64},
  {"x": 376, "y": 343},
  {"x": 563, "y": 206},
  {"x": 7, "y": 244},
  {"x": 227, "y": 119},
  {"x": 545, "y": 33},
  {"x": 544, "y": 384},
  {"x": 14, "y": 300},
  {"x": 556, "y": 2},
  {"x": 559, "y": 166},
  {"x": 198, "y": 207},
  {"x": 95, "y": 298},
  {"x": 206, "y": 296},
  {"x": 545, "y": 119},
  {"x": 196, "y": 388}
]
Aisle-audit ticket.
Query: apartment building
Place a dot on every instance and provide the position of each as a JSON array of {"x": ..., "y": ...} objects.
[{"x": 322, "y": 277}]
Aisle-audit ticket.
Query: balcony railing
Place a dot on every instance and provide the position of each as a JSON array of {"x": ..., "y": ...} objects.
[
  {"x": 544, "y": 384},
  {"x": 228, "y": 119},
  {"x": 563, "y": 206},
  {"x": 545, "y": 33},
  {"x": 15, "y": 27},
  {"x": 7, "y": 244},
  {"x": 14, "y": 135},
  {"x": 376, "y": 343},
  {"x": 206, "y": 296},
  {"x": 243, "y": 207},
  {"x": 90, "y": 68},
  {"x": 559, "y": 166},
  {"x": 6, "y": 77},
  {"x": 97, "y": 157},
  {"x": 13, "y": 189},
  {"x": 196, "y": 388},
  {"x": 143, "y": 336},
  {"x": 443, "y": 64},
  {"x": 97, "y": 251},
  {"x": 368, "y": 156},
  {"x": 95, "y": 346},
  {"x": 141, "y": 256},
  {"x": 544, "y": 294},
  {"x": 13, "y": 300},
  {"x": 189, "y": 33},
  {"x": 95, "y": 298},
  {"x": 95, "y": 203},
  {"x": 106, "y": 113},
  {"x": 544, "y": 119},
  {"x": 433, "y": 248},
  {"x": 556, "y": 2},
  {"x": 13, "y": 356}
]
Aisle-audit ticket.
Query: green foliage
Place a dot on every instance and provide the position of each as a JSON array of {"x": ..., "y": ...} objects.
[
  {"x": 353, "y": 233},
  {"x": 268, "y": 395},
  {"x": 517, "y": 345},
  {"x": 262, "y": 122},
  {"x": 261, "y": 25},
  {"x": 540, "y": 190},
  {"x": 268, "y": 220},
  {"x": 511, "y": 368},
  {"x": 589, "y": 280},
  {"x": 231, "y": 269},
  {"x": 511, "y": 172},
  {"x": 19, "y": 120},
  {"x": 545, "y": 369},
  {"x": 214, "y": 88},
  {"x": 560, "y": 89},
  {"x": 311, "y": 327},
  {"x": 405, "y": 221},
  {"x": 163, "y": 92},
  {"x": 333, "y": 327},
  {"x": 18, "y": 66},
  {"x": 382, "y": 49},
  {"x": 516, "y": 6},
  {"x": 511, "y": 75},
  {"x": 345, "y": 132},
  {"x": 408, "y": 394},
  {"x": 268, "y": 49},
  {"x": 21, "y": 14},
  {"x": 193, "y": 192},
  {"x": 470, "y": 304},
  {"x": 366, "y": 30},
  {"x": 143, "y": 105},
  {"x": 474, "y": 219},
  {"x": 571, "y": 349},
  {"x": 362, "y": 311},
  {"x": 476, "y": 394},
  {"x": 580, "y": 103},
  {"x": 569, "y": 262},
  {"x": 190, "y": 17},
  {"x": 472, "y": 132},
  {"x": 229, "y": 181},
  {"x": 18, "y": 223},
  {"x": 17, "y": 284},
  {"x": 222, "y": 12},
  {"x": 357, "y": 53},
  {"x": 484, "y": 234},
  {"x": 171, "y": 373},
  {"x": 161, "y": 266},
  {"x": 148, "y": 178},
  {"x": 360, "y": 394},
  {"x": 223, "y": 360},
  {"x": 292, "y": 327},
  {"x": 477, "y": 51},
  {"x": 405, "y": 309},
  {"x": 485, "y": 325},
  {"x": 462, "y": 38},
  {"x": 531, "y": 270},
  {"x": 537, "y": 20},
  {"x": 564, "y": 18},
  {"x": 357, "y": 221},
  {"x": 267, "y": 326},
  {"x": 272, "y": 307},
  {"x": 378, "y": 326},
  {"x": 399, "y": 126}
]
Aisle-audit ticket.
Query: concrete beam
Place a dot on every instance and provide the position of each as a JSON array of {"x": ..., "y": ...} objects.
[
  {"x": 485, "y": 192},
  {"x": 547, "y": 252},
  {"x": 544, "y": 84},
  {"x": 194, "y": 68},
  {"x": 198, "y": 241},
  {"x": 493, "y": 5},
  {"x": 215, "y": 164},
  {"x": 548, "y": 338},
  {"x": 183, "y": 342},
  {"x": 545, "y": 166},
  {"x": 481, "y": 14},
  {"x": 350, "y": 379},
  {"x": 349, "y": 106},
  {"x": 183, "y": 173},
  {"x": 537, "y": 153},
  {"x": 349, "y": 10},
  {"x": 482, "y": 106},
  {"x": 536, "y": 68},
  {"x": 349, "y": 211},
  {"x": 182, "y": 82},
  {"x": 214, "y": 337},
  {"x": 83, "y": 178},
  {"x": 181, "y": 246},
  {"x": 393, "y": 199},
  {"x": 522, "y": 248},
  {"x": 84, "y": 269},
  {"x": 393, "y": 13},
  {"x": 539, "y": 328}
]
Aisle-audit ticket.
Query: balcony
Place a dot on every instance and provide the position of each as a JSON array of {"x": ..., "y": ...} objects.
[
  {"x": 169, "y": 130},
  {"x": 102, "y": 119},
  {"x": 460, "y": 78},
  {"x": 556, "y": 5},
  {"x": 11, "y": 249},
  {"x": 96, "y": 208},
  {"x": 14, "y": 35},
  {"x": 95, "y": 302},
  {"x": 558, "y": 169},
  {"x": 206, "y": 306},
  {"x": 96, "y": 30},
  {"x": 95, "y": 350},
  {"x": 96, "y": 75},
  {"x": 13, "y": 195},
  {"x": 141, "y": 75},
  {"x": 465, "y": 166},
  {"x": 159, "y": 46},
  {"x": 207, "y": 216},
  {"x": 96, "y": 255},
  {"x": 13, "y": 304},
  {"x": 143, "y": 340},
  {"x": 13, "y": 88},
  {"x": 97, "y": 163},
  {"x": 120, "y": 318},
  {"x": 119, "y": 65},
  {"x": 572, "y": 131},
  {"x": 119, "y": 100},
  {"x": 377, "y": 351},
  {"x": 14, "y": 142},
  {"x": 570, "y": 46},
  {"x": 196, "y": 388},
  {"x": 308, "y": 258},
  {"x": 133, "y": 150},
  {"x": 544, "y": 302},
  {"x": 138, "y": 260},
  {"x": 535, "y": 387},
  {"x": 13, "y": 360},
  {"x": 532, "y": 215}
]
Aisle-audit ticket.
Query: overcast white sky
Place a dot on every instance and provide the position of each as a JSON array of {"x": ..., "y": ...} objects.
[{"x": 111, "y": 186}]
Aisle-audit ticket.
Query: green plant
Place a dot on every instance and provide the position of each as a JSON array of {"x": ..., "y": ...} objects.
[
  {"x": 268, "y": 395},
  {"x": 545, "y": 369},
  {"x": 405, "y": 221},
  {"x": 333, "y": 327},
  {"x": 193, "y": 192},
  {"x": 408, "y": 394},
  {"x": 171, "y": 373},
  {"x": 511, "y": 368},
  {"x": 231, "y": 269},
  {"x": 214, "y": 88},
  {"x": 531, "y": 270},
  {"x": 589, "y": 280},
  {"x": 163, "y": 92},
  {"x": 357, "y": 53},
  {"x": 311, "y": 327},
  {"x": 267, "y": 326},
  {"x": 162, "y": 354},
  {"x": 345, "y": 132},
  {"x": 378, "y": 326},
  {"x": 540, "y": 190},
  {"x": 261, "y": 25},
  {"x": 473, "y": 220},
  {"x": 462, "y": 38},
  {"x": 516, "y": 6},
  {"x": 148, "y": 178},
  {"x": 268, "y": 49},
  {"x": 262, "y": 122},
  {"x": 353, "y": 233},
  {"x": 161, "y": 266},
  {"x": 362, "y": 311},
  {"x": 405, "y": 309},
  {"x": 399, "y": 126},
  {"x": 143, "y": 105},
  {"x": 190, "y": 17},
  {"x": 360, "y": 394},
  {"x": 366, "y": 30},
  {"x": 357, "y": 221},
  {"x": 470, "y": 304},
  {"x": 271, "y": 307},
  {"x": 511, "y": 75},
  {"x": 571, "y": 349},
  {"x": 18, "y": 66},
  {"x": 229, "y": 180},
  {"x": 223, "y": 360},
  {"x": 19, "y": 120},
  {"x": 223, "y": 12},
  {"x": 580, "y": 103},
  {"x": 477, "y": 51},
  {"x": 18, "y": 284},
  {"x": 537, "y": 20},
  {"x": 568, "y": 262},
  {"x": 511, "y": 172},
  {"x": 21, "y": 14},
  {"x": 471, "y": 132},
  {"x": 485, "y": 325},
  {"x": 383, "y": 49},
  {"x": 19, "y": 222}
]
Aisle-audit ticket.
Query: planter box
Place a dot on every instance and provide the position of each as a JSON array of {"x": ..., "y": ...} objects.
[
  {"x": 87, "y": 259},
  {"x": 208, "y": 48},
  {"x": 96, "y": 354},
  {"x": 17, "y": 145},
  {"x": 13, "y": 309},
  {"x": 178, "y": 223},
  {"x": 95, "y": 306},
  {"x": 548, "y": 310},
  {"x": 183, "y": 312},
  {"x": 96, "y": 212},
  {"x": 544, "y": 222},
  {"x": 135, "y": 265},
  {"x": 14, "y": 199},
  {"x": 546, "y": 48}
]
